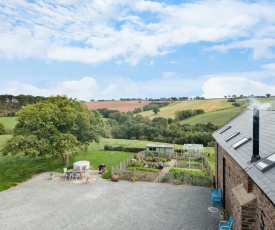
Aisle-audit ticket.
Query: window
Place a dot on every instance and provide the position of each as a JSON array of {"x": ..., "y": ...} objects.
[
  {"x": 152, "y": 149},
  {"x": 266, "y": 163},
  {"x": 232, "y": 136},
  {"x": 241, "y": 142},
  {"x": 226, "y": 128}
]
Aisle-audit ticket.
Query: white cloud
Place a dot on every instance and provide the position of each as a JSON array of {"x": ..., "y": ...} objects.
[
  {"x": 167, "y": 75},
  {"x": 83, "y": 89},
  {"x": 151, "y": 88},
  {"x": 218, "y": 86},
  {"x": 261, "y": 47},
  {"x": 87, "y": 88},
  {"x": 98, "y": 31},
  {"x": 170, "y": 85},
  {"x": 270, "y": 66}
]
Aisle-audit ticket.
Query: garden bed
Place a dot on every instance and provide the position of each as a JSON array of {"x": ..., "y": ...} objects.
[{"x": 187, "y": 177}]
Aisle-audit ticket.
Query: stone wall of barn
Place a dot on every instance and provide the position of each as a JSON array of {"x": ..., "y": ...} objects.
[{"x": 250, "y": 208}]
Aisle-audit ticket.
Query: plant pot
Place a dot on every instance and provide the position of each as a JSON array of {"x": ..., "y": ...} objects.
[
  {"x": 223, "y": 215},
  {"x": 115, "y": 177}
]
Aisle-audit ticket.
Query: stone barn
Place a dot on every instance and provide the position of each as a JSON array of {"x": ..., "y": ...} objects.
[{"x": 245, "y": 160}]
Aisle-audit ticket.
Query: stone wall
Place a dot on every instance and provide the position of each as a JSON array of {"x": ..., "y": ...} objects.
[{"x": 251, "y": 214}]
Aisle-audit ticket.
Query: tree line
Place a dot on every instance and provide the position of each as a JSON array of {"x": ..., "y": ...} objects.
[
  {"x": 10, "y": 104},
  {"x": 136, "y": 127}
]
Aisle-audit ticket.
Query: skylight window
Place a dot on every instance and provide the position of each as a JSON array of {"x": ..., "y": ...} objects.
[
  {"x": 266, "y": 163},
  {"x": 226, "y": 128},
  {"x": 232, "y": 136},
  {"x": 241, "y": 142}
]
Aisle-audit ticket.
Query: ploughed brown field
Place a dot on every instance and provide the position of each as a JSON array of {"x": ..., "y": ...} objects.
[{"x": 123, "y": 106}]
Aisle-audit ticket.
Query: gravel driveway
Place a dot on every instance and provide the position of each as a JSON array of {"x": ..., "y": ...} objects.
[{"x": 41, "y": 203}]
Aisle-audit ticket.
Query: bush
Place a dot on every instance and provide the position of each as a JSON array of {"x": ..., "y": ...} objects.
[
  {"x": 187, "y": 177},
  {"x": 124, "y": 149},
  {"x": 236, "y": 104},
  {"x": 142, "y": 169}
]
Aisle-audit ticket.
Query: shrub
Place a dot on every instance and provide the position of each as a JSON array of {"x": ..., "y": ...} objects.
[
  {"x": 187, "y": 177},
  {"x": 133, "y": 168}
]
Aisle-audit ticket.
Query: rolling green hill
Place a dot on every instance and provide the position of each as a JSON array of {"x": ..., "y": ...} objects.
[
  {"x": 217, "y": 111},
  {"x": 218, "y": 118},
  {"x": 207, "y": 105}
]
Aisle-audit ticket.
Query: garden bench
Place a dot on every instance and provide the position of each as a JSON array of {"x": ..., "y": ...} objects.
[
  {"x": 216, "y": 197},
  {"x": 226, "y": 225}
]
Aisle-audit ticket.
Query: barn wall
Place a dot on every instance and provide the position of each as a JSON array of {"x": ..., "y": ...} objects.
[{"x": 255, "y": 213}]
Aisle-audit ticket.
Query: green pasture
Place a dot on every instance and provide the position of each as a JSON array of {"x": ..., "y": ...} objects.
[
  {"x": 218, "y": 118},
  {"x": 9, "y": 122},
  {"x": 124, "y": 143}
]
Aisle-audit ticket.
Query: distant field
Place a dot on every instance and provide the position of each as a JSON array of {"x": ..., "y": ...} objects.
[
  {"x": 122, "y": 106},
  {"x": 217, "y": 118},
  {"x": 206, "y": 105},
  {"x": 104, "y": 141},
  {"x": 122, "y": 142},
  {"x": 9, "y": 122}
]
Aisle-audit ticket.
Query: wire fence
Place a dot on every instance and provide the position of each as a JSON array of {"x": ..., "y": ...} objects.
[
  {"x": 209, "y": 170},
  {"x": 121, "y": 166}
]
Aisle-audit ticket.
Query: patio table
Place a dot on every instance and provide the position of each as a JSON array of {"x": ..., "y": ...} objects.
[{"x": 80, "y": 171}]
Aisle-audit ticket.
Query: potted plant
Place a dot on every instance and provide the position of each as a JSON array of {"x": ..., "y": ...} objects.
[
  {"x": 115, "y": 177},
  {"x": 223, "y": 214}
]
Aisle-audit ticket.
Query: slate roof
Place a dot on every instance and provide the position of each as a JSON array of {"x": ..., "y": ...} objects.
[
  {"x": 243, "y": 123},
  {"x": 160, "y": 145}
]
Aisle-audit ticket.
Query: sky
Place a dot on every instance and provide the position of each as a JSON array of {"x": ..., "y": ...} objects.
[{"x": 112, "y": 49}]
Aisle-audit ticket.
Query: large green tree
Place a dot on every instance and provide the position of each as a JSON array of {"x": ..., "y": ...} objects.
[{"x": 56, "y": 126}]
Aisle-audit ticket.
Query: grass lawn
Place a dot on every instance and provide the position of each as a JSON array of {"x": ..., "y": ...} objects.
[
  {"x": 21, "y": 169},
  {"x": 18, "y": 170},
  {"x": 9, "y": 122}
]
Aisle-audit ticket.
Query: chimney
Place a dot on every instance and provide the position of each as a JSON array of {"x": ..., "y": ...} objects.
[{"x": 256, "y": 136}]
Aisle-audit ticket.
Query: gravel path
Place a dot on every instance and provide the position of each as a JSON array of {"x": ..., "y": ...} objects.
[{"x": 41, "y": 203}]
